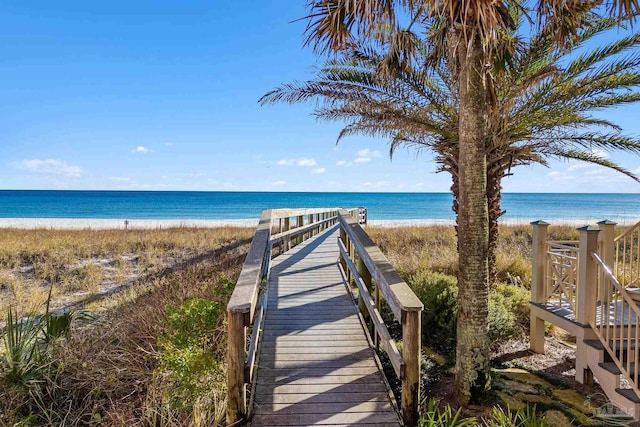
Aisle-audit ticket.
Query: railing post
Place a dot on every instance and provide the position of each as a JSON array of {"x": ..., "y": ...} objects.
[
  {"x": 300, "y": 223},
  {"x": 586, "y": 289},
  {"x": 236, "y": 355},
  {"x": 366, "y": 278},
  {"x": 540, "y": 231},
  {"x": 343, "y": 262},
  {"x": 287, "y": 227},
  {"x": 587, "y": 275},
  {"x": 411, "y": 360},
  {"x": 606, "y": 244}
]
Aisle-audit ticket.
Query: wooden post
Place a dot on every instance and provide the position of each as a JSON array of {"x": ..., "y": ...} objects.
[
  {"x": 300, "y": 223},
  {"x": 538, "y": 283},
  {"x": 287, "y": 227},
  {"x": 411, "y": 374},
  {"x": 311, "y": 232},
  {"x": 366, "y": 278},
  {"x": 236, "y": 356},
  {"x": 377, "y": 301},
  {"x": 343, "y": 237},
  {"x": 607, "y": 250},
  {"x": 586, "y": 293},
  {"x": 587, "y": 275}
]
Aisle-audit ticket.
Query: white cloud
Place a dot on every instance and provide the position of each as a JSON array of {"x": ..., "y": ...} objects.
[
  {"x": 343, "y": 163},
  {"x": 119, "y": 178},
  {"x": 560, "y": 176},
  {"x": 362, "y": 160},
  {"x": 600, "y": 153},
  {"x": 279, "y": 183},
  {"x": 303, "y": 162},
  {"x": 599, "y": 171},
  {"x": 168, "y": 144},
  {"x": 142, "y": 149},
  {"x": 306, "y": 162},
  {"x": 318, "y": 171},
  {"x": 368, "y": 153},
  {"x": 49, "y": 167}
]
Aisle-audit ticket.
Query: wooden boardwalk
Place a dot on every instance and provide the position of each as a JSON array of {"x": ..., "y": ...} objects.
[{"x": 316, "y": 366}]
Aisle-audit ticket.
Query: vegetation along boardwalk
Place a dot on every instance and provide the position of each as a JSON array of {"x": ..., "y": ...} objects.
[{"x": 316, "y": 365}]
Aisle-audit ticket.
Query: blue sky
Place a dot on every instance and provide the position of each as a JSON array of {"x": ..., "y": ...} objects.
[{"x": 162, "y": 95}]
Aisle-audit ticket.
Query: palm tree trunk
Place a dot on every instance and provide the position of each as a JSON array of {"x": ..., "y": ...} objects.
[
  {"x": 494, "y": 198},
  {"x": 472, "y": 351}
]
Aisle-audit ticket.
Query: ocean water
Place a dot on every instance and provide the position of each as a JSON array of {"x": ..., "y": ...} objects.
[{"x": 244, "y": 205}]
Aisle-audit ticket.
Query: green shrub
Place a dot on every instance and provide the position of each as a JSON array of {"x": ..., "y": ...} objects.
[
  {"x": 439, "y": 294},
  {"x": 508, "y": 310},
  {"x": 190, "y": 357}
]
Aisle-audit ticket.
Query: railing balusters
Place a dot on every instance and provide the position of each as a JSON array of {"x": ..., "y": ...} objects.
[
  {"x": 618, "y": 329},
  {"x": 356, "y": 245}
]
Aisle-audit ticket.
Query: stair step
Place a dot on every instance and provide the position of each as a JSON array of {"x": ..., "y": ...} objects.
[
  {"x": 610, "y": 367},
  {"x": 628, "y": 394},
  {"x": 595, "y": 344},
  {"x": 613, "y": 368}
]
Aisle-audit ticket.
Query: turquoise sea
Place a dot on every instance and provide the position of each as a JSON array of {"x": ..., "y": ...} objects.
[{"x": 241, "y": 205}]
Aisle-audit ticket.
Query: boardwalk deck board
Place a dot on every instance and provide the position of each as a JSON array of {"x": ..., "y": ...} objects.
[{"x": 316, "y": 366}]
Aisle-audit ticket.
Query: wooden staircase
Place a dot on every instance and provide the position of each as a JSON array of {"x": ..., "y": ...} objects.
[
  {"x": 609, "y": 376},
  {"x": 589, "y": 288}
]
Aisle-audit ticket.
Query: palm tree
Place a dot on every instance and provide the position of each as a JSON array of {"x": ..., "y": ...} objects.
[
  {"x": 471, "y": 27},
  {"x": 416, "y": 107}
]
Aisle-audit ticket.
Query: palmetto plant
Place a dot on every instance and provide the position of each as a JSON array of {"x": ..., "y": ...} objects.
[
  {"x": 25, "y": 358},
  {"x": 541, "y": 109}
]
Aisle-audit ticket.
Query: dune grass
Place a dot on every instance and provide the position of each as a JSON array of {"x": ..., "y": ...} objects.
[
  {"x": 77, "y": 263},
  {"x": 144, "y": 357},
  {"x": 126, "y": 361},
  {"x": 433, "y": 248}
]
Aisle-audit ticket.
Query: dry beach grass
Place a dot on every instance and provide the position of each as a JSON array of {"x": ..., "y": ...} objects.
[{"x": 143, "y": 356}]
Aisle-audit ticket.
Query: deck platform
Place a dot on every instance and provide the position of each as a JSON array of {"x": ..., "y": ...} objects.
[{"x": 315, "y": 365}]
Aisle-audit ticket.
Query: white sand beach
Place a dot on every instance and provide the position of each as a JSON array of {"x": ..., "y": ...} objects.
[{"x": 110, "y": 224}]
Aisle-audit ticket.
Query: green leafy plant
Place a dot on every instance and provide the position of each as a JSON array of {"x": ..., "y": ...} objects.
[
  {"x": 189, "y": 357},
  {"x": 439, "y": 294},
  {"x": 433, "y": 416},
  {"x": 524, "y": 417},
  {"x": 25, "y": 357}
]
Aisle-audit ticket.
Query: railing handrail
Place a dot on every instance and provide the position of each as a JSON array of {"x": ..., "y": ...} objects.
[
  {"x": 405, "y": 305},
  {"x": 245, "y": 294},
  {"x": 277, "y": 238},
  {"x": 629, "y": 230},
  {"x": 397, "y": 293},
  {"x": 563, "y": 242},
  {"x": 623, "y": 291},
  {"x": 565, "y": 247},
  {"x": 632, "y": 336}
]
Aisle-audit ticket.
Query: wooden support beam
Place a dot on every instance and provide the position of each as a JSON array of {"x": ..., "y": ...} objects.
[
  {"x": 538, "y": 284},
  {"x": 411, "y": 361}
]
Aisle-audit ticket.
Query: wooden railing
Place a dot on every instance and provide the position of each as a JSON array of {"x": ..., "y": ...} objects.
[
  {"x": 626, "y": 265},
  {"x": 245, "y": 311},
  {"x": 616, "y": 323},
  {"x": 365, "y": 265},
  {"x": 561, "y": 280}
]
